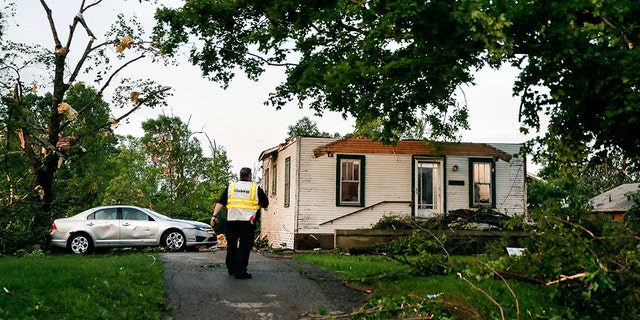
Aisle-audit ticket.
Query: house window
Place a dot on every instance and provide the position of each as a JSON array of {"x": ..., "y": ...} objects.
[
  {"x": 350, "y": 180},
  {"x": 482, "y": 176},
  {"x": 287, "y": 181},
  {"x": 274, "y": 179}
]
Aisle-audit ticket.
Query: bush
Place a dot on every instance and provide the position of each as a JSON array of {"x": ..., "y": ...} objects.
[
  {"x": 394, "y": 223},
  {"x": 16, "y": 229},
  {"x": 592, "y": 263}
]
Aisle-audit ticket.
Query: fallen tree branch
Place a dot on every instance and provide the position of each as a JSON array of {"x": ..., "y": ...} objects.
[
  {"x": 565, "y": 278},
  {"x": 485, "y": 293},
  {"x": 357, "y": 288}
]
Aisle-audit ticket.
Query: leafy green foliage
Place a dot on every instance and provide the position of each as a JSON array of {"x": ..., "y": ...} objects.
[
  {"x": 589, "y": 261},
  {"x": 134, "y": 181},
  {"x": 602, "y": 256},
  {"x": 392, "y": 222},
  {"x": 176, "y": 155},
  {"x": 82, "y": 169},
  {"x": 167, "y": 170},
  {"x": 576, "y": 59},
  {"x": 96, "y": 171},
  {"x": 87, "y": 168},
  {"x": 380, "y": 61},
  {"x": 307, "y": 127},
  {"x": 423, "y": 251}
]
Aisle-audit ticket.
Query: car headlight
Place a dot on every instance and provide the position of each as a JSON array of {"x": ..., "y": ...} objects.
[{"x": 202, "y": 228}]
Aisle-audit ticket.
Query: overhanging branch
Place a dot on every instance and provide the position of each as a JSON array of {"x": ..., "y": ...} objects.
[
  {"x": 139, "y": 103},
  {"x": 103, "y": 88}
]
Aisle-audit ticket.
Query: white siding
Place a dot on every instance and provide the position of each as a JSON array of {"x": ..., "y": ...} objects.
[
  {"x": 457, "y": 196},
  {"x": 278, "y": 222},
  {"x": 511, "y": 191},
  {"x": 317, "y": 185},
  {"x": 387, "y": 178},
  {"x": 388, "y": 190}
]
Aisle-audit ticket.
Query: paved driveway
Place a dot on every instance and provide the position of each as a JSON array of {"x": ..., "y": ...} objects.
[{"x": 197, "y": 286}]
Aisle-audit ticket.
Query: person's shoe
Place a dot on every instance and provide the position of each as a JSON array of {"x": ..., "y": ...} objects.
[{"x": 243, "y": 275}]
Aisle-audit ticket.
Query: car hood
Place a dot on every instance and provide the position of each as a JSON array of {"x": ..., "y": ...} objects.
[{"x": 193, "y": 223}]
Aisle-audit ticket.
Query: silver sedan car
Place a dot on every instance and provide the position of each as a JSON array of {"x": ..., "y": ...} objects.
[{"x": 128, "y": 226}]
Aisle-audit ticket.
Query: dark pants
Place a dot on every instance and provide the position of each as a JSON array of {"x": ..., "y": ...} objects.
[{"x": 238, "y": 253}]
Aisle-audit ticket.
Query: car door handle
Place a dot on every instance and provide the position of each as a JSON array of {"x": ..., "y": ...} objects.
[
  {"x": 90, "y": 224},
  {"x": 126, "y": 224}
]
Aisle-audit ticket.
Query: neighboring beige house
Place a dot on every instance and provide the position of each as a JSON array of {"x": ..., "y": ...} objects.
[
  {"x": 317, "y": 185},
  {"x": 615, "y": 202}
]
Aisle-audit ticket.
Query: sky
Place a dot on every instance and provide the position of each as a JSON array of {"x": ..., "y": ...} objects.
[{"x": 236, "y": 118}]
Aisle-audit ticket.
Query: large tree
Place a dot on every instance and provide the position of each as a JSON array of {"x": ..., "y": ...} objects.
[
  {"x": 188, "y": 183},
  {"x": 393, "y": 61},
  {"x": 40, "y": 124},
  {"x": 578, "y": 65},
  {"x": 375, "y": 61},
  {"x": 167, "y": 170}
]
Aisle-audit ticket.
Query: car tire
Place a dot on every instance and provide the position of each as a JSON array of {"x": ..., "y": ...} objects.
[
  {"x": 80, "y": 243},
  {"x": 174, "y": 240}
]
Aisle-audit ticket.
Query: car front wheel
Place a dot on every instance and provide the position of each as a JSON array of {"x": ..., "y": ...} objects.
[
  {"x": 80, "y": 243},
  {"x": 174, "y": 240}
]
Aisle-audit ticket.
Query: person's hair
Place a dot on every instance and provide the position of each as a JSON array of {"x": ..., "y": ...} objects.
[{"x": 245, "y": 174}]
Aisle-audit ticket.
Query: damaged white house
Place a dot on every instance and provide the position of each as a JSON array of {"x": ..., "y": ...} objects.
[{"x": 317, "y": 185}]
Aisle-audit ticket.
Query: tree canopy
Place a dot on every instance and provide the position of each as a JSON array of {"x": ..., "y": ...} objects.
[
  {"x": 576, "y": 60},
  {"x": 379, "y": 60},
  {"x": 396, "y": 61},
  {"x": 307, "y": 127}
]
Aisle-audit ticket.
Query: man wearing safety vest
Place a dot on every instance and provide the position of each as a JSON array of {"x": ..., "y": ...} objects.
[{"x": 243, "y": 200}]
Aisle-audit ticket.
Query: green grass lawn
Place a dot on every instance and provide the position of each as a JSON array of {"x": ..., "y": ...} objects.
[
  {"x": 447, "y": 296},
  {"x": 104, "y": 286}
]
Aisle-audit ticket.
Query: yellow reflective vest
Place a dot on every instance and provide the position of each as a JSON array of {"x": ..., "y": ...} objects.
[{"x": 242, "y": 201}]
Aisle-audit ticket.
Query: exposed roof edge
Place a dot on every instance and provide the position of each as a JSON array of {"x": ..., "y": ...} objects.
[
  {"x": 364, "y": 145},
  {"x": 274, "y": 150}
]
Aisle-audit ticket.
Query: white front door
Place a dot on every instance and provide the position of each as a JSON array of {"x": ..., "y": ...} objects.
[{"x": 428, "y": 188}]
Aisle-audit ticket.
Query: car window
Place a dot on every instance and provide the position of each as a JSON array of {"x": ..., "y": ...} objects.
[
  {"x": 104, "y": 214},
  {"x": 134, "y": 214}
]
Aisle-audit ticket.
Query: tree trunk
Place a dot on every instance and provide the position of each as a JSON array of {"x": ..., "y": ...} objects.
[
  {"x": 42, "y": 220},
  {"x": 45, "y": 169}
]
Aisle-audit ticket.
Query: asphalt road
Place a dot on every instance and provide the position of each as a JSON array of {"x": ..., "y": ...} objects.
[{"x": 197, "y": 286}]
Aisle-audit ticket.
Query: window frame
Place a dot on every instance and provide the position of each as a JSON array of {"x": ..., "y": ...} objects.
[
  {"x": 472, "y": 182},
  {"x": 287, "y": 182},
  {"x": 265, "y": 181},
  {"x": 138, "y": 215},
  {"x": 361, "y": 180},
  {"x": 274, "y": 179}
]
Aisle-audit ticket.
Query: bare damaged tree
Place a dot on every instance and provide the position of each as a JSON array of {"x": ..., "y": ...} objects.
[{"x": 39, "y": 136}]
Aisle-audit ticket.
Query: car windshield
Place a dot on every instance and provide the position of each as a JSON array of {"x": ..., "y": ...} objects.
[{"x": 156, "y": 214}]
